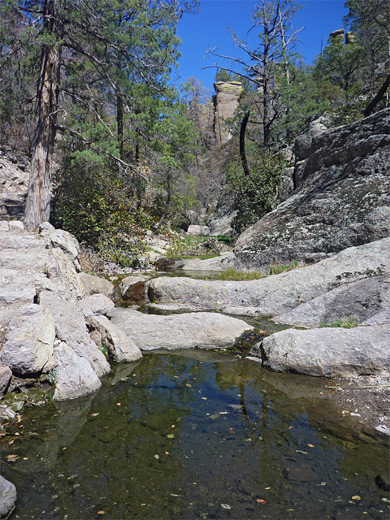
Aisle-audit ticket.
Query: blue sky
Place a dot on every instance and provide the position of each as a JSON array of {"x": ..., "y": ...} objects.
[{"x": 209, "y": 28}]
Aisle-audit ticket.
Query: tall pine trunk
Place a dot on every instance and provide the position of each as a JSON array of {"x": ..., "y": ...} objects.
[{"x": 39, "y": 190}]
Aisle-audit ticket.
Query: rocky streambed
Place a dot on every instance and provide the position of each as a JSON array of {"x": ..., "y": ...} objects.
[{"x": 61, "y": 333}]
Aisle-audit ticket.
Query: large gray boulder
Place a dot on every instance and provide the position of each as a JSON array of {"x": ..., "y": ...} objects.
[
  {"x": 97, "y": 285},
  {"x": 121, "y": 346},
  {"x": 179, "y": 331},
  {"x": 71, "y": 329},
  {"x": 74, "y": 375},
  {"x": 133, "y": 287},
  {"x": 328, "y": 351},
  {"x": 341, "y": 198},
  {"x": 5, "y": 378},
  {"x": 8, "y": 496},
  {"x": 279, "y": 294},
  {"x": 28, "y": 345}
]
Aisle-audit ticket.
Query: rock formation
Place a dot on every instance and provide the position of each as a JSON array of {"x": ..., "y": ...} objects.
[
  {"x": 51, "y": 322},
  {"x": 13, "y": 185},
  {"x": 341, "y": 197},
  {"x": 226, "y": 101}
]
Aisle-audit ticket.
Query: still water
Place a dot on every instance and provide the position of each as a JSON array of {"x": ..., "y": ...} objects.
[{"x": 195, "y": 435}]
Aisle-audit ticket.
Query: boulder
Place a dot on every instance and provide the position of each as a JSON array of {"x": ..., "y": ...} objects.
[
  {"x": 95, "y": 304},
  {"x": 179, "y": 331},
  {"x": 361, "y": 300},
  {"x": 28, "y": 345},
  {"x": 8, "y": 496},
  {"x": 133, "y": 287},
  {"x": 71, "y": 329},
  {"x": 278, "y": 294},
  {"x": 74, "y": 375},
  {"x": 218, "y": 263},
  {"x": 196, "y": 230},
  {"x": 328, "y": 351},
  {"x": 5, "y": 378},
  {"x": 97, "y": 285},
  {"x": 13, "y": 189},
  {"x": 121, "y": 347},
  {"x": 341, "y": 198},
  {"x": 66, "y": 242}
]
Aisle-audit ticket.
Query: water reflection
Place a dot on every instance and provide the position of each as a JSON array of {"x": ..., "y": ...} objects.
[{"x": 194, "y": 435}]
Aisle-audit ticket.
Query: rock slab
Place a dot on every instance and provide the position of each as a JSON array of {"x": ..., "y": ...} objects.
[
  {"x": 328, "y": 351},
  {"x": 8, "y": 496},
  {"x": 179, "y": 331}
]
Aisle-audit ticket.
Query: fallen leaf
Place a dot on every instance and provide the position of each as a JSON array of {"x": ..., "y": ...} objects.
[
  {"x": 311, "y": 445},
  {"x": 11, "y": 442},
  {"x": 267, "y": 488},
  {"x": 170, "y": 436},
  {"x": 290, "y": 427},
  {"x": 100, "y": 512},
  {"x": 356, "y": 497},
  {"x": 12, "y": 457},
  {"x": 25, "y": 458},
  {"x": 156, "y": 456},
  {"x": 167, "y": 453},
  {"x": 118, "y": 404},
  {"x": 260, "y": 501},
  {"x": 302, "y": 452},
  {"x": 204, "y": 398},
  {"x": 94, "y": 414}
]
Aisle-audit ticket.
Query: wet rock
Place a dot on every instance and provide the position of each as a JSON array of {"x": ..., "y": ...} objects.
[
  {"x": 121, "y": 346},
  {"x": 74, "y": 375},
  {"x": 133, "y": 287},
  {"x": 279, "y": 294},
  {"x": 29, "y": 340},
  {"x": 97, "y": 285},
  {"x": 341, "y": 198},
  {"x": 5, "y": 377},
  {"x": 328, "y": 351},
  {"x": 8, "y": 496},
  {"x": 95, "y": 304},
  {"x": 180, "y": 331}
]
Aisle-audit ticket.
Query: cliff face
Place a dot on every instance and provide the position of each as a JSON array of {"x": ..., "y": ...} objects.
[
  {"x": 226, "y": 101},
  {"x": 13, "y": 185},
  {"x": 341, "y": 198}
]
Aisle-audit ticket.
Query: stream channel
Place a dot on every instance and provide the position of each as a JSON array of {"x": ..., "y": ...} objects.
[{"x": 195, "y": 434}]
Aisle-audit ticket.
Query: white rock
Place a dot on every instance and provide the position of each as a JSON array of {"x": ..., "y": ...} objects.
[
  {"x": 66, "y": 242},
  {"x": 74, "y": 375},
  {"x": 97, "y": 285},
  {"x": 121, "y": 347},
  {"x": 16, "y": 225},
  {"x": 28, "y": 345},
  {"x": 96, "y": 304},
  {"x": 328, "y": 351},
  {"x": 179, "y": 331},
  {"x": 8, "y": 496},
  {"x": 71, "y": 328}
]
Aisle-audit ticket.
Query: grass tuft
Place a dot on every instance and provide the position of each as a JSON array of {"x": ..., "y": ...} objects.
[
  {"x": 233, "y": 274},
  {"x": 345, "y": 323},
  {"x": 277, "y": 269}
]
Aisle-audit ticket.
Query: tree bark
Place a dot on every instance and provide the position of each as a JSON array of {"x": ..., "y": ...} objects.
[
  {"x": 244, "y": 161},
  {"x": 39, "y": 190}
]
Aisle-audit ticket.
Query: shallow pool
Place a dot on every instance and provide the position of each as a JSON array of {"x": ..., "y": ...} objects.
[{"x": 195, "y": 435}]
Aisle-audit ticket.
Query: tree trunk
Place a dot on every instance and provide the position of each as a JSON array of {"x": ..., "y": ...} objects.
[
  {"x": 119, "y": 121},
  {"x": 39, "y": 190},
  {"x": 244, "y": 161},
  {"x": 380, "y": 95}
]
